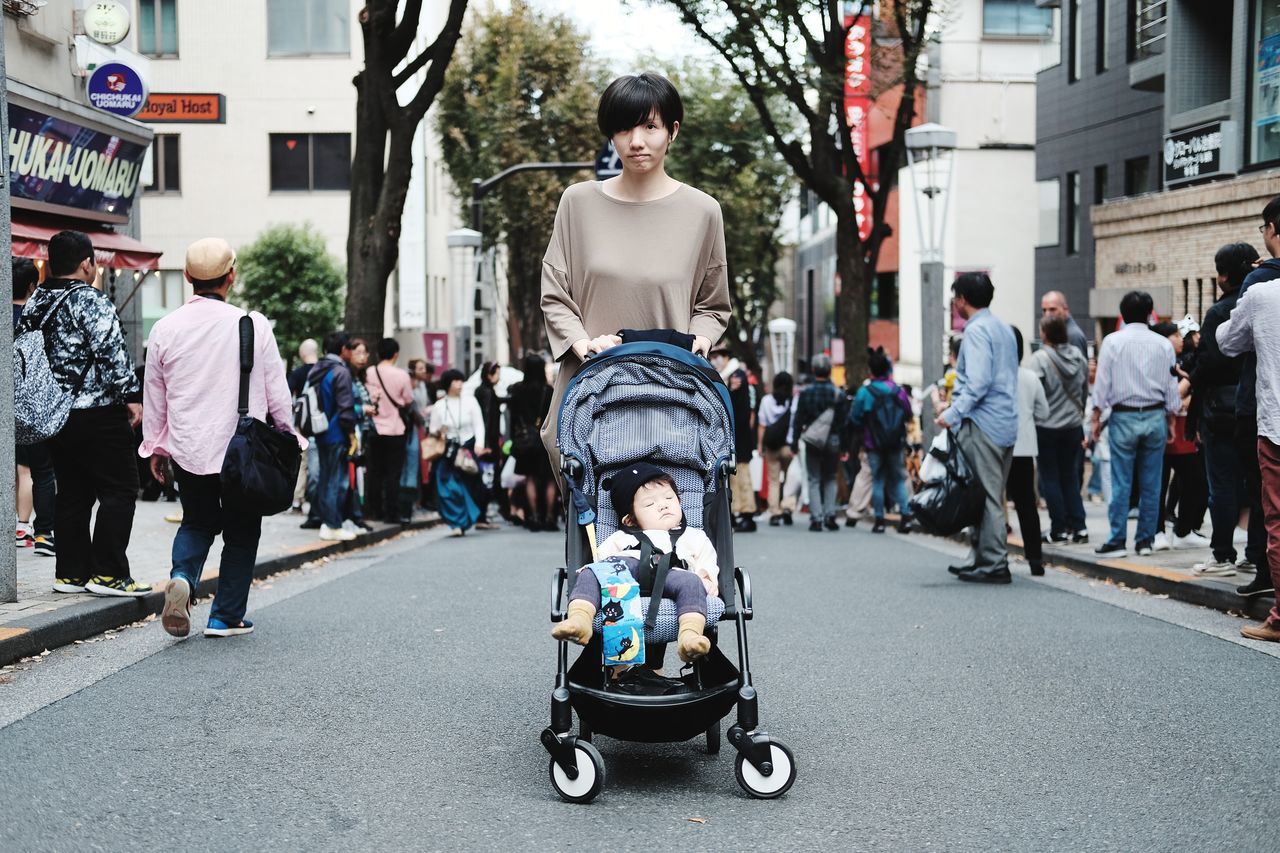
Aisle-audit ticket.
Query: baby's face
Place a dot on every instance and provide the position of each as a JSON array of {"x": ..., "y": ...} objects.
[{"x": 656, "y": 507}]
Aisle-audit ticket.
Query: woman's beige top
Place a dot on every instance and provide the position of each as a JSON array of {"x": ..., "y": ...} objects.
[{"x": 614, "y": 265}]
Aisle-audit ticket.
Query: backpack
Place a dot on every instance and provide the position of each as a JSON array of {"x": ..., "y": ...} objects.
[
  {"x": 886, "y": 421},
  {"x": 41, "y": 405},
  {"x": 309, "y": 416},
  {"x": 820, "y": 434},
  {"x": 775, "y": 434}
]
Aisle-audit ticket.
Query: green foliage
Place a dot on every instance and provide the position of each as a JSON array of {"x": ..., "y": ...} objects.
[
  {"x": 521, "y": 88},
  {"x": 289, "y": 276},
  {"x": 723, "y": 150}
]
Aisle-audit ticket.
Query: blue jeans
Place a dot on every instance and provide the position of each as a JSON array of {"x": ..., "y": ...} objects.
[
  {"x": 1137, "y": 442},
  {"x": 333, "y": 483},
  {"x": 204, "y": 517},
  {"x": 1059, "y": 457},
  {"x": 887, "y": 472},
  {"x": 313, "y": 480}
]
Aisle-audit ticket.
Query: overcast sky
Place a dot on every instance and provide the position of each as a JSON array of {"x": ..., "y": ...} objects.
[{"x": 621, "y": 30}]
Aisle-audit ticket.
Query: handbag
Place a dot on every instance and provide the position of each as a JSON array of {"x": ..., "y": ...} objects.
[
  {"x": 953, "y": 502},
  {"x": 260, "y": 468},
  {"x": 432, "y": 447},
  {"x": 775, "y": 434},
  {"x": 465, "y": 461}
]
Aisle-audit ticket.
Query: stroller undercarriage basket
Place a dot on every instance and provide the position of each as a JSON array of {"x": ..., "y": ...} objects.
[{"x": 660, "y": 404}]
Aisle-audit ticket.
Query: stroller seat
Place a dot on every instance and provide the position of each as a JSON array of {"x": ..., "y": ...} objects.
[{"x": 666, "y": 625}]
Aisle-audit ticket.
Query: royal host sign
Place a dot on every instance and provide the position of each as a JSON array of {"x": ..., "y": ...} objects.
[{"x": 56, "y": 163}]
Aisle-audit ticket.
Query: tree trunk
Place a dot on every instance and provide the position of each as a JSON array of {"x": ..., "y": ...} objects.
[{"x": 851, "y": 307}]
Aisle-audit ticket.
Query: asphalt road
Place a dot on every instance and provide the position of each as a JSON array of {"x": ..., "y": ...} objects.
[{"x": 393, "y": 700}]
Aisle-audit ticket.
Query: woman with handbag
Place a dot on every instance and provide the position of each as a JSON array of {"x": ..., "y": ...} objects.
[
  {"x": 459, "y": 421},
  {"x": 774, "y": 423},
  {"x": 528, "y": 405}
]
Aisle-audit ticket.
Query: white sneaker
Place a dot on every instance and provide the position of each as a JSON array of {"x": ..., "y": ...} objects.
[
  {"x": 1239, "y": 536},
  {"x": 1160, "y": 543},
  {"x": 1244, "y": 567},
  {"x": 1191, "y": 540},
  {"x": 1214, "y": 569},
  {"x": 336, "y": 534}
]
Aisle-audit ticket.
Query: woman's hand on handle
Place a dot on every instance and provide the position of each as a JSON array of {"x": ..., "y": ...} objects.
[
  {"x": 585, "y": 347},
  {"x": 701, "y": 345}
]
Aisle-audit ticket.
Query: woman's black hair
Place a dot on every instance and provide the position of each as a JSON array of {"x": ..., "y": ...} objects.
[
  {"x": 1017, "y": 340},
  {"x": 783, "y": 387},
  {"x": 630, "y": 100},
  {"x": 535, "y": 369},
  {"x": 1235, "y": 261},
  {"x": 878, "y": 363},
  {"x": 25, "y": 277},
  {"x": 488, "y": 369},
  {"x": 449, "y": 377},
  {"x": 1054, "y": 330}
]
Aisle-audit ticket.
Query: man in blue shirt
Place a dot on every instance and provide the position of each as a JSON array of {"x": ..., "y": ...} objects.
[{"x": 983, "y": 419}]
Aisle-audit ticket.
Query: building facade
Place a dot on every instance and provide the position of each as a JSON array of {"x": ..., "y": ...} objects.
[
  {"x": 253, "y": 108},
  {"x": 982, "y": 74},
  {"x": 1166, "y": 147}
]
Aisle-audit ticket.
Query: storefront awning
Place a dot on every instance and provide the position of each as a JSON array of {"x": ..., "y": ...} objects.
[{"x": 117, "y": 251}]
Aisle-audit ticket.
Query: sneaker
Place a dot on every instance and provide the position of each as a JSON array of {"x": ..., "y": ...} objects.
[
  {"x": 1261, "y": 585},
  {"x": 1245, "y": 567},
  {"x": 174, "y": 517},
  {"x": 70, "y": 586},
  {"x": 1053, "y": 538},
  {"x": 176, "y": 615},
  {"x": 25, "y": 535},
  {"x": 1080, "y": 537},
  {"x": 1111, "y": 549},
  {"x": 815, "y": 527},
  {"x": 775, "y": 521},
  {"x": 1161, "y": 543},
  {"x": 878, "y": 527},
  {"x": 787, "y": 519},
  {"x": 120, "y": 587},
  {"x": 1268, "y": 631},
  {"x": 1191, "y": 540},
  {"x": 44, "y": 546},
  {"x": 850, "y": 522},
  {"x": 1145, "y": 548},
  {"x": 310, "y": 524},
  {"x": 831, "y": 523},
  {"x": 218, "y": 628},
  {"x": 1214, "y": 569},
  {"x": 336, "y": 534}
]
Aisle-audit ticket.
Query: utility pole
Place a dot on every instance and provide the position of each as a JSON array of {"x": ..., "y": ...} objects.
[{"x": 8, "y": 497}]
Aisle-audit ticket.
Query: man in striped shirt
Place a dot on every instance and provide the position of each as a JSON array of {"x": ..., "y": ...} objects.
[{"x": 1136, "y": 381}]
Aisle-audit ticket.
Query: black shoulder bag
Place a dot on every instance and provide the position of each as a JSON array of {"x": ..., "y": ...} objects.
[{"x": 260, "y": 469}]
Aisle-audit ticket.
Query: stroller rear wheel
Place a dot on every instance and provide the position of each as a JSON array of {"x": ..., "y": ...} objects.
[
  {"x": 776, "y": 783},
  {"x": 590, "y": 775}
]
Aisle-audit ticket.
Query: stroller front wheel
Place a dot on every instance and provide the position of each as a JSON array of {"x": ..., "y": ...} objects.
[
  {"x": 776, "y": 783},
  {"x": 590, "y": 775}
]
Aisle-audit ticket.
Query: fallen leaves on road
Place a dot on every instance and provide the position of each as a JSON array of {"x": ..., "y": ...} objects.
[{"x": 696, "y": 819}]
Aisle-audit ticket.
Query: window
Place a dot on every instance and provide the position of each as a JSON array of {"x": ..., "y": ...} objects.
[
  {"x": 1137, "y": 176},
  {"x": 1049, "y": 204},
  {"x": 310, "y": 161},
  {"x": 306, "y": 27},
  {"x": 1146, "y": 28},
  {"x": 1016, "y": 18},
  {"x": 1103, "y": 35},
  {"x": 1099, "y": 184},
  {"x": 1073, "y": 213},
  {"x": 1075, "y": 47},
  {"x": 158, "y": 27},
  {"x": 1264, "y": 101},
  {"x": 884, "y": 296},
  {"x": 164, "y": 164}
]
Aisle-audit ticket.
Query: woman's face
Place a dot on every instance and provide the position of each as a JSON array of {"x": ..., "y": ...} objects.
[
  {"x": 455, "y": 388},
  {"x": 360, "y": 356},
  {"x": 420, "y": 372},
  {"x": 643, "y": 148}
]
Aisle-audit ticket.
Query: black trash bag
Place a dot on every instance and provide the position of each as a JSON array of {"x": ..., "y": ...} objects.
[{"x": 949, "y": 505}]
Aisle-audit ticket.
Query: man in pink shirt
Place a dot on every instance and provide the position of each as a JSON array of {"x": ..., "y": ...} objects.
[
  {"x": 190, "y": 403},
  {"x": 392, "y": 390}
]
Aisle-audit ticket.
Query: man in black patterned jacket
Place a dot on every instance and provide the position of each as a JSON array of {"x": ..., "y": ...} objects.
[{"x": 93, "y": 455}]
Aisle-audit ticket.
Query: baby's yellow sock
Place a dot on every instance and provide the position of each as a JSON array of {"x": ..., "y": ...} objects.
[
  {"x": 691, "y": 643},
  {"x": 576, "y": 626}
]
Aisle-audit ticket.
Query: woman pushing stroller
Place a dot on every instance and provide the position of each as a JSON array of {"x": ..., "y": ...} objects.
[{"x": 648, "y": 507}]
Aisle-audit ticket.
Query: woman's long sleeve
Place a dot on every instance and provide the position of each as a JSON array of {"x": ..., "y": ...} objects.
[
  {"x": 711, "y": 303},
  {"x": 562, "y": 314}
]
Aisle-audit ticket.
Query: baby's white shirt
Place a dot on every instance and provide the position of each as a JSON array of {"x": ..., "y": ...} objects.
[{"x": 693, "y": 546}]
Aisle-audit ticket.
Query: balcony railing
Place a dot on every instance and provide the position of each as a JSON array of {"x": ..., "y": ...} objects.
[{"x": 1148, "y": 27}]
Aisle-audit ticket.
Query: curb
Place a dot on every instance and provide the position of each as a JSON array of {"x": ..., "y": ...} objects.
[
  {"x": 61, "y": 627},
  {"x": 1177, "y": 585}
]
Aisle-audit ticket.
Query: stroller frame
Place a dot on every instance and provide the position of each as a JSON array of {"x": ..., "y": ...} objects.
[{"x": 764, "y": 767}]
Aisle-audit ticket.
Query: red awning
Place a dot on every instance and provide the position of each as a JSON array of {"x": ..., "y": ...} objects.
[{"x": 117, "y": 251}]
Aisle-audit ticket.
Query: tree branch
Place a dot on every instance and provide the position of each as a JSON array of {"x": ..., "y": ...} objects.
[
  {"x": 403, "y": 34},
  {"x": 442, "y": 50}
]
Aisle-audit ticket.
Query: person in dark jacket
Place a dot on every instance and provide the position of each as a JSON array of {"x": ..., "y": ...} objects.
[
  {"x": 1232, "y": 470},
  {"x": 331, "y": 376},
  {"x": 528, "y": 406},
  {"x": 491, "y": 407},
  {"x": 820, "y": 462}
]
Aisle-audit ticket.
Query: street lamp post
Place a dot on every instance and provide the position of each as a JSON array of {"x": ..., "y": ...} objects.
[
  {"x": 463, "y": 245},
  {"x": 929, "y": 160}
]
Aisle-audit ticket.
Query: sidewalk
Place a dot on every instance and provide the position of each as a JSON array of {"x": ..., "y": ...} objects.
[
  {"x": 1163, "y": 573},
  {"x": 42, "y": 619}
]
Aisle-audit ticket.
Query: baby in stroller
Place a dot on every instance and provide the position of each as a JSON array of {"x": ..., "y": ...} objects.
[{"x": 648, "y": 506}]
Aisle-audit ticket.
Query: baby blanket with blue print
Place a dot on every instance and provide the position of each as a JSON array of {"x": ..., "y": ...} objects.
[{"x": 622, "y": 635}]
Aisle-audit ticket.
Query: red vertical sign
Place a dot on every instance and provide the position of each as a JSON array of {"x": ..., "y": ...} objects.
[
  {"x": 857, "y": 106},
  {"x": 436, "y": 345}
]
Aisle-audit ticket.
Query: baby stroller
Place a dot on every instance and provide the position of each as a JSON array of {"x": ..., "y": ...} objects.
[{"x": 658, "y": 403}]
